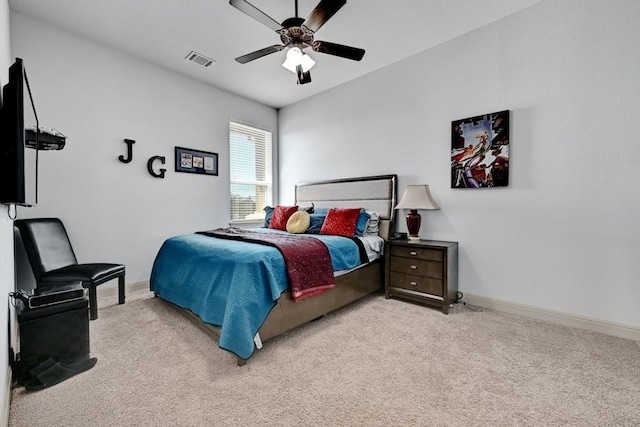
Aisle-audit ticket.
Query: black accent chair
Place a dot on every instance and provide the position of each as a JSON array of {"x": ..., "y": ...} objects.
[{"x": 53, "y": 261}]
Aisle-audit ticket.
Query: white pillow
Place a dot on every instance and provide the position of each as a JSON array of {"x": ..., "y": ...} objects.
[{"x": 372, "y": 225}]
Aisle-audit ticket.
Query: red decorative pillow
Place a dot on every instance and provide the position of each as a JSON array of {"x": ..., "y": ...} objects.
[
  {"x": 281, "y": 215},
  {"x": 341, "y": 222}
]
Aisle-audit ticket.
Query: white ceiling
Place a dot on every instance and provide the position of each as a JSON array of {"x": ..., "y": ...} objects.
[{"x": 165, "y": 31}]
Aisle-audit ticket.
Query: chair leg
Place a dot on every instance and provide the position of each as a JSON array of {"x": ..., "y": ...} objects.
[
  {"x": 93, "y": 302},
  {"x": 121, "y": 290}
]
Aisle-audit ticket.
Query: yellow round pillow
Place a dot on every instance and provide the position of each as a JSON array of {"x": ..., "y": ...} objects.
[{"x": 298, "y": 222}]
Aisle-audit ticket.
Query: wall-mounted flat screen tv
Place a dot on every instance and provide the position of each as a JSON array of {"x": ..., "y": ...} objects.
[{"x": 18, "y": 157}]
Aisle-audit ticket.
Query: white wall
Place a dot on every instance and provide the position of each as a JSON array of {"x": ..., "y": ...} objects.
[
  {"x": 565, "y": 234},
  {"x": 117, "y": 212},
  {"x": 6, "y": 232}
]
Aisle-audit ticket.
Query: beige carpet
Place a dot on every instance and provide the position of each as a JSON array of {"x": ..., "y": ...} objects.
[{"x": 376, "y": 363}]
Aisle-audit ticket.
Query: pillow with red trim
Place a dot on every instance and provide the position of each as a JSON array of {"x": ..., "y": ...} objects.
[
  {"x": 281, "y": 215},
  {"x": 341, "y": 222}
]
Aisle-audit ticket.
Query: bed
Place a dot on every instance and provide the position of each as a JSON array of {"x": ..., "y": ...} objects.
[{"x": 193, "y": 272}]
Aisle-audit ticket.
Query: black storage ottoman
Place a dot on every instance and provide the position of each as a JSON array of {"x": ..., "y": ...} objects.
[
  {"x": 54, "y": 334},
  {"x": 59, "y": 331}
]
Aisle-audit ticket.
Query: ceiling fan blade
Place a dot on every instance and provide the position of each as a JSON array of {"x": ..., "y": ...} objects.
[
  {"x": 249, "y": 9},
  {"x": 338, "y": 50},
  {"x": 321, "y": 14},
  {"x": 259, "y": 53}
]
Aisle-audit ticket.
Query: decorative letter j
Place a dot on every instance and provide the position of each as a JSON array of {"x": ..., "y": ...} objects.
[{"x": 129, "y": 143}]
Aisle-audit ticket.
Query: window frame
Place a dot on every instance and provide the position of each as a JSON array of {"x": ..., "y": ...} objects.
[{"x": 248, "y": 129}]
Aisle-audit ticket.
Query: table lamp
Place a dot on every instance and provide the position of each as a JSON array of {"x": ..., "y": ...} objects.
[{"x": 416, "y": 197}]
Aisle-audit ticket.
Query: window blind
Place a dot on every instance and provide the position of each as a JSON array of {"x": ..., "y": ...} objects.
[{"x": 250, "y": 168}]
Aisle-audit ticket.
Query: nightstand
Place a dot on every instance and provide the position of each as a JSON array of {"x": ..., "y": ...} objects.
[{"x": 425, "y": 271}]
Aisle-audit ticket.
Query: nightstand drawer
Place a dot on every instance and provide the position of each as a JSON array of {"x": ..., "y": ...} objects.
[
  {"x": 416, "y": 283},
  {"x": 419, "y": 253},
  {"x": 417, "y": 267}
]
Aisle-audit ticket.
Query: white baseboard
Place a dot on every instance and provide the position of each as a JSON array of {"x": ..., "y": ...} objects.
[
  {"x": 595, "y": 325},
  {"x": 6, "y": 405},
  {"x": 112, "y": 291}
]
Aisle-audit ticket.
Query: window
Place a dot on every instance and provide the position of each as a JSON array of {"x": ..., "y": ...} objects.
[{"x": 250, "y": 170}]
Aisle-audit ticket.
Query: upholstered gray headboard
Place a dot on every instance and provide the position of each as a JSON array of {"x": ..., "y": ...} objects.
[{"x": 374, "y": 193}]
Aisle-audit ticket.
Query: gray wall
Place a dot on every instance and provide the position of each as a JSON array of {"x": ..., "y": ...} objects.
[
  {"x": 116, "y": 212},
  {"x": 564, "y": 236}
]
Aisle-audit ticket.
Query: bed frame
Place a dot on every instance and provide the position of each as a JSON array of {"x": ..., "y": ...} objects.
[{"x": 376, "y": 193}]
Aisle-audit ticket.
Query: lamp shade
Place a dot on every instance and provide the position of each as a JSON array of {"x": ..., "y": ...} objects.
[
  {"x": 417, "y": 197},
  {"x": 296, "y": 57}
]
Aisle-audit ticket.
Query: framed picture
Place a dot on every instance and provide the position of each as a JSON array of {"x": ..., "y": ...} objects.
[
  {"x": 196, "y": 161},
  {"x": 480, "y": 151}
]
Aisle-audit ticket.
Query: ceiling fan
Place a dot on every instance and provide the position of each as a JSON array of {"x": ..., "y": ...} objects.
[{"x": 297, "y": 34}]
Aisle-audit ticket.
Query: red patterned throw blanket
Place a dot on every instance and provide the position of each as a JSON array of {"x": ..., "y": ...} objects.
[{"x": 307, "y": 259}]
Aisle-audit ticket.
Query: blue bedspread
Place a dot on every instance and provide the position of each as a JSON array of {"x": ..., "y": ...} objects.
[{"x": 230, "y": 283}]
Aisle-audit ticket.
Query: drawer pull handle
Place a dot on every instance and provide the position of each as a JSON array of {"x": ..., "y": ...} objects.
[
  {"x": 414, "y": 267},
  {"x": 413, "y": 283},
  {"x": 414, "y": 253}
]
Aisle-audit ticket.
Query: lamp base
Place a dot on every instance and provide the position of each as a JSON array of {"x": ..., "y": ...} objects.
[{"x": 413, "y": 225}]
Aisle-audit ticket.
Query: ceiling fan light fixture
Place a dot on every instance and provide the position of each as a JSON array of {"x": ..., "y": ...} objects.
[{"x": 295, "y": 57}]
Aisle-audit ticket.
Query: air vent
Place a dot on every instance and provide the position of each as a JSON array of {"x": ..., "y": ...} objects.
[{"x": 199, "y": 59}]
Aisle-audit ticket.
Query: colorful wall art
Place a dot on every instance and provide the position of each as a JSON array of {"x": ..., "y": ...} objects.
[{"x": 480, "y": 151}]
